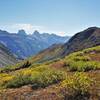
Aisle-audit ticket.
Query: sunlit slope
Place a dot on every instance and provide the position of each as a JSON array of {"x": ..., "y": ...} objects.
[
  {"x": 82, "y": 40},
  {"x": 76, "y": 74}
]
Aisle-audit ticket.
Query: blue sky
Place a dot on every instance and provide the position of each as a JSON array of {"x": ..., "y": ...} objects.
[{"x": 63, "y": 17}]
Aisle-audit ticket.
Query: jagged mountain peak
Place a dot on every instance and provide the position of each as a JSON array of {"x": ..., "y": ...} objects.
[
  {"x": 36, "y": 33},
  {"x": 22, "y": 32},
  {"x": 24, "y": 45}
]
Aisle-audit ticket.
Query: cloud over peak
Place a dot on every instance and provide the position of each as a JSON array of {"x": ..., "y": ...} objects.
[
  {"x": 18, "y": 26},
  {"x": 29, "y": 28}
]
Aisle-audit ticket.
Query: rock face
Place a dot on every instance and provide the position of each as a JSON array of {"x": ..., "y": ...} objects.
[
  {"x": 22, "y": 33},
  {"x": 6, "y": 57},
  {"x": 85, "y": 39},
  {"x": 24, "y": 45}
]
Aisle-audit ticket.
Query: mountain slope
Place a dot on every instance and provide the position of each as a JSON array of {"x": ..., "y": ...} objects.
[
  {"x": 6, "y": 58},
  {"x": 24, "y": 45},
  {"x": 55, "y": 80},
  {"x": 85, "y": 39},
  {"x": 50, "y": 53}
]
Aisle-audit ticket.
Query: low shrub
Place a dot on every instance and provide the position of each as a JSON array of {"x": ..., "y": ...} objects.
[
  {"x": 18, "y": 66},
  {"x": 83, "y": 66},
  {"x": 79, "y": 61},
  {"x": 37, "y": 77},
  {"x": 79, "y": 83},
  {"x": 47, "y": 78},
  {"x": 19, "y": 80},
  {"x": 4, "y": 78}
]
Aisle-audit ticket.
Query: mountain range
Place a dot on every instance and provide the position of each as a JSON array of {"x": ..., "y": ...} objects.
[
  {"x": 21, "y": 45},
  {"x": 87, "y": 38},
  {"x": 63, "y": 71},
  {"x": 24, "y": 45}
]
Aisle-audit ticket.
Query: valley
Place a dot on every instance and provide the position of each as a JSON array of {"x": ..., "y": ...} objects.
[
  {"x": 49, "y": 49},
  {"x": 24, "y": 45},
  {"x": 60, "y": 72}
]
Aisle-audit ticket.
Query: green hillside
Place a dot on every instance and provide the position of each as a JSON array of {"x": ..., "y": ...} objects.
[
  {"x": 85, "y": 39},
  {"x": 88, "y": 59},
  {"x": 73, "y": 76}
]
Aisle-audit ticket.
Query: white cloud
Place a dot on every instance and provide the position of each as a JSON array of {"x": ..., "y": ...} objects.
[{"x": 27, "y": 27}]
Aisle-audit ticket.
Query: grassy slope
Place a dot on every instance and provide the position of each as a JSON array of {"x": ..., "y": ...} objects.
[
  {"x": 82, "y": 40},
  {"x": 88, "y": 59},
  {"x": 48, "y": 73}
]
